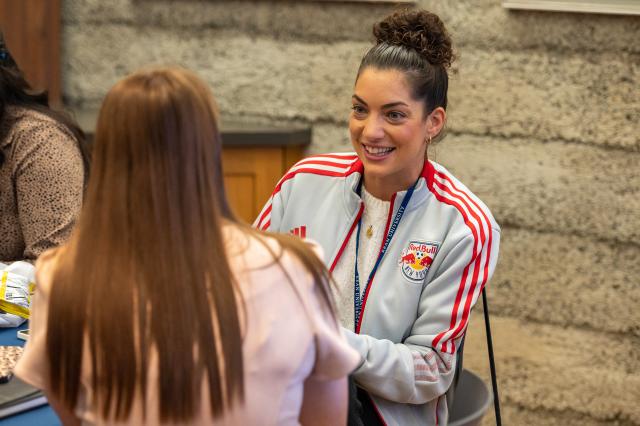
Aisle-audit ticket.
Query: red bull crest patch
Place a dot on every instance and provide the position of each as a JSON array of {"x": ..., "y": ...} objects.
[{"x": 416, "y": 260}]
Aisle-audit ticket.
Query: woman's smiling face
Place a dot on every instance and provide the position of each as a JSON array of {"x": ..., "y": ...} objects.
[{"x": 389, "y": 131}]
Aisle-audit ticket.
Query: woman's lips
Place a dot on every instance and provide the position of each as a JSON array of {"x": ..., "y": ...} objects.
[{"x": 377, "y": 152}]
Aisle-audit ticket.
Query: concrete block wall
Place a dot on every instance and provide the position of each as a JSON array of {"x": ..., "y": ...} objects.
[{"x": 543, "y": 126}]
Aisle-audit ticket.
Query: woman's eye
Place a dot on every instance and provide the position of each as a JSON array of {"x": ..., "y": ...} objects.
[
  {"x": 358, "y": 110},
  {"x": 396, "y": 115}
]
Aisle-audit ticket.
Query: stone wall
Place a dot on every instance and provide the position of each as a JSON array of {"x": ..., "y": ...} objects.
[{"x": 543, "y": 126}]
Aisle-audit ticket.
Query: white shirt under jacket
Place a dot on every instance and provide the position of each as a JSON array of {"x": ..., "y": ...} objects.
[{"x": 417, "y": 307}]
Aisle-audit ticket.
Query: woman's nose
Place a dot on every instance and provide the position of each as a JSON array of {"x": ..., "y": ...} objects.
[{"x": 373, "y": 128}]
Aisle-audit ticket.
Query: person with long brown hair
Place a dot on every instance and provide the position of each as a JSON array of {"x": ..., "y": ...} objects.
[{"x": 162, "y": 308}]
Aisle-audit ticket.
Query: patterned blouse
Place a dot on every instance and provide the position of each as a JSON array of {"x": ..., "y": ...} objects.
[{"x": 41, "y": 184}]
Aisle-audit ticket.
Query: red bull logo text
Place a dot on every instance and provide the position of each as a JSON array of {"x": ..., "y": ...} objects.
[{"x": 416, "y": 259}]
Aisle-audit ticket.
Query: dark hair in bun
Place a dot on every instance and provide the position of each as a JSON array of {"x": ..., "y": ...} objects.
[{"x": 417, "y": 43}]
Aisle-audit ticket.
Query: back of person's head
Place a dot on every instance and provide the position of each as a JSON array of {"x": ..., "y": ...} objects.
[
  {"x": 416, "y": 43},
  {"x": 147, "y": 266},
  {"x": 15, "y": 91},
  {"x": 165, "y": 122}
]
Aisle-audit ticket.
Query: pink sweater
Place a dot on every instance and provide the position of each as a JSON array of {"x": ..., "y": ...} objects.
[{"x": 288, "y": 338}]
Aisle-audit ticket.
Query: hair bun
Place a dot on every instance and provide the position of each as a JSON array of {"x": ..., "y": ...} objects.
[{"x": 419, "y": 30}]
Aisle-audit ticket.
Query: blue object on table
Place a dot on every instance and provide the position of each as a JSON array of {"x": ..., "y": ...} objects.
[{"x": 42, "y": 415}]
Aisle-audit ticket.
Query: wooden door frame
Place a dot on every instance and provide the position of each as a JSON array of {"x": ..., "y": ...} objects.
[{"x": 31, "y": 31}]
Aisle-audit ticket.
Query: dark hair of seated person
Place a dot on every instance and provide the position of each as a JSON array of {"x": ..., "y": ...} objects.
[{"x": 16, "y": 91}]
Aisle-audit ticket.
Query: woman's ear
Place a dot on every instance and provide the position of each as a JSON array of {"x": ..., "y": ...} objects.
[{"x": 435, "y": 122}]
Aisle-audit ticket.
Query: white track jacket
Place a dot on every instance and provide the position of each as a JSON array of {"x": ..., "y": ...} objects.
[{"x": 417, "y": 306}]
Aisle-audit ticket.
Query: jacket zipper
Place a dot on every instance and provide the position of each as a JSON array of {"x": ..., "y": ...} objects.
[{"x": 346, "y": 240}]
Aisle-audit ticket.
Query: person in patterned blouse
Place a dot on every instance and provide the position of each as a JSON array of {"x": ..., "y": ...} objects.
[{"x": 43, "y": 168}]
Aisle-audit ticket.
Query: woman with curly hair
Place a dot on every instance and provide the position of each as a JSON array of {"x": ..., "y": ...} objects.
[{"x": 409, "y": 245}]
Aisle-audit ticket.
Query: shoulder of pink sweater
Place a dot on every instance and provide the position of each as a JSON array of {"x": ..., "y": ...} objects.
[{"x": 45, "y": 266}]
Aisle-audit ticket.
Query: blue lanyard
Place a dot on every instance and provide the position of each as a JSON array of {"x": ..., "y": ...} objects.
[{"x": 357, "y": 301}]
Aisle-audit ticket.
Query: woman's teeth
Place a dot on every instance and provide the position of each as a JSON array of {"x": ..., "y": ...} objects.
[{"x": 376, "y": 150}]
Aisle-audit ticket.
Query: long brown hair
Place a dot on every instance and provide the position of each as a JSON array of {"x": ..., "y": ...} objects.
[{"x": 147, "y": 265}]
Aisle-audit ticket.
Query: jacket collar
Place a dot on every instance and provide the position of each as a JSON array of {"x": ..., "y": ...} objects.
[{"x": 420, "y": 194}]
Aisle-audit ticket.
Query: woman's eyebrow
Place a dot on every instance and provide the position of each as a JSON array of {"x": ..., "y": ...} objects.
[
  {"x": 385, "y": 106},
  {"x": 393, "y": 104},
  {"x": 359, "y": 99}
]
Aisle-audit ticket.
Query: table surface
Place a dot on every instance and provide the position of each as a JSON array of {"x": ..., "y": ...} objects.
[{"x": 43, "y": 415}]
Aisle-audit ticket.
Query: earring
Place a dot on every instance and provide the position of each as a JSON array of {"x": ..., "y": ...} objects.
[{"x": 428, "y": 141}]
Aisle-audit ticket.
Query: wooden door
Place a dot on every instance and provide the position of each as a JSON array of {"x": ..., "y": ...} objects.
[
  {"x": 31, "y": 31},
  {"x": 250, "y": 175}
]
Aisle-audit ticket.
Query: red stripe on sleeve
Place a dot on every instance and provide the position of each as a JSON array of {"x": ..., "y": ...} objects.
[
  {"x": 463, "y": 281},
  {"x": 306, "y": 170},
  {"x": 314, "y": 162},
  {"x": 265, "y": 213},
  {"x": 485, "y": 275},
  {"x": 477, "y": 257}
]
